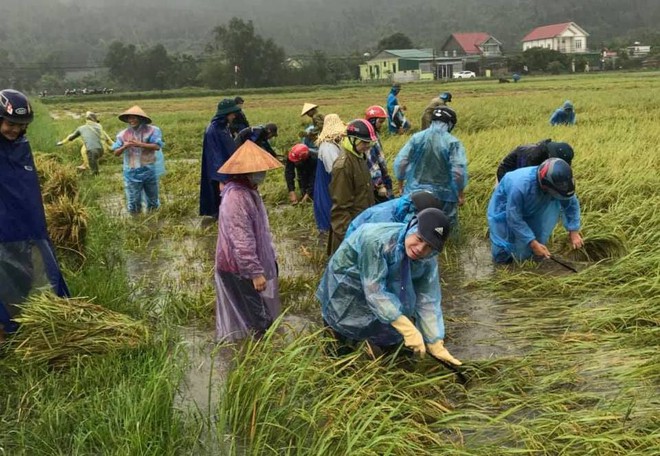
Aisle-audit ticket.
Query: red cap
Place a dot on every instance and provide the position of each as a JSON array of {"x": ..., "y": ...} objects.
[{"x": 298, "y": 153}]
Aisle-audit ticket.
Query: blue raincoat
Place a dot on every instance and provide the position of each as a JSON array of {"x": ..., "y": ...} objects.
[
  {"x": 27, "y": 257},
  {"x": 218, "y": 146},
  {"x": 398, "y": 210},
  {"x": 395, "y": 117},
  {"x": 370, "y": 282},
  {"x": 434, "y": 160},
  {"x": 563, "y": 117},
  {"x": 520, "y": 212}
]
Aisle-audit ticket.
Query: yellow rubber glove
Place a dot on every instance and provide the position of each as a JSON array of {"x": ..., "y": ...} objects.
[
  {"x": 412, "y": 338},
  {"x": 438, "y": 350}
]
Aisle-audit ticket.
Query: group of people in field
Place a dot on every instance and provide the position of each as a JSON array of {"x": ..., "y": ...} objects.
[{"x": 381, "y": 283}]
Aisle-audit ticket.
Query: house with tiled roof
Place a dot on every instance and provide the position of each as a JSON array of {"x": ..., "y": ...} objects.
[
  {"x": 567, "y": 37},
  {"x": 405, "y": 65},
  {"x": 471, "y": 44}
]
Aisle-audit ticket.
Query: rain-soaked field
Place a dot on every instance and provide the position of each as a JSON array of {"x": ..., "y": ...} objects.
[{"x": 556, "y": 362}]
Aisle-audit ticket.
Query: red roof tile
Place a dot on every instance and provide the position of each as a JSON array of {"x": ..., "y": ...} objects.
[
  {"x": 546, "y": 31},
  {"x": 470, "y": 41}
]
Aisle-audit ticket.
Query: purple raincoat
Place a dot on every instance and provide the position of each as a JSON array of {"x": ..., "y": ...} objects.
[{"x": 244, "y": 251}]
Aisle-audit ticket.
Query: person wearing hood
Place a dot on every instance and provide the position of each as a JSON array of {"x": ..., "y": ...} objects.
[
  {"x": 534, "y": 155},
  {"x": 564, "y": 115},
  {"x": 27, "y": 256},
  {"x": 260, "y": 135},
  {"x": 440, "y": 100},
  {"x": 240, "y": 122},
  {"x": 525, "y": 207},
  {"x": 334, "y": 130},
  {"x": 217, "y": 147},
  {"x": 93, "y": 138},
  {"x": 397, "y": 210},
  {"x": 245, "y": 266},
  {"x": 351, "y": 189},
  {"x": 434, "y": 160},
  {"x": 382, "y": 285},
  {"x": 141, "y": 144},
  {"x": 397, "y": 122}
]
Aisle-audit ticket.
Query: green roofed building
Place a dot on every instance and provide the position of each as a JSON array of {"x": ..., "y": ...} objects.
[{"x": 405, "y": 65}]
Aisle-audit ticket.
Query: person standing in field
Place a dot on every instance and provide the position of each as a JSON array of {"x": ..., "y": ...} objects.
[
  {"x": 300, "y": 161},
  {"x": 397, "y": 122},
  {"x": 240, "y": 122},
  {"x": 328, "y": 141},
  {"x": 247, "y": 294},
  {"x": 27, "y": 257},
  {"x": 217, "y": 147},
  {"x": 351, "y": 189},
  {"x": 434, "y": 160},
  {"x": 94, "y": 138},
  {"x": 139, "y": 144},
  {"x": 312, "y": 111},
  {"x": 380, "y": 177},
  {"x": 383, "y": 286},
  {"x": 564, "y": 115},
  {"x": 534, "y": 155},
  {"x": 525, "y": 207},
  {"x": 260, "y": 135},
  {"x": 440, "y": 100}
]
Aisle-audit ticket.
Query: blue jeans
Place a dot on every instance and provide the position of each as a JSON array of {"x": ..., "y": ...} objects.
[{"x": 138, "y": 181}]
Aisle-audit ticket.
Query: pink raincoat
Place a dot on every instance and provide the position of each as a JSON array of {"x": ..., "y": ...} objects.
[{"x": 244, "y": 251}]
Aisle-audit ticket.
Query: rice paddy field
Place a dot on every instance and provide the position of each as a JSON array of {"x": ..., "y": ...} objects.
[{"x": 555, "y": 362}]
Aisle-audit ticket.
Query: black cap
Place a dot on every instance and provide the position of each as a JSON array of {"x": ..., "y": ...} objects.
[
  {"x": 423, "y": 200},
  {"x": 560, "y": 150},
  {"x": 239, "y": 100},
  {"x": 271, "y": 128},
  {"x": 433, "y": 227}
]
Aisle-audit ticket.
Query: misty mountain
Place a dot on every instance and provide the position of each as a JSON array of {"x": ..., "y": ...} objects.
[{"x": 79, "y": 31}]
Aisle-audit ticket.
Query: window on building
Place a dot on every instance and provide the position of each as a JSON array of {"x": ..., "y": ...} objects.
[
  {"x": 578, "y": 44},
  {"x": 394, "y": 68}
]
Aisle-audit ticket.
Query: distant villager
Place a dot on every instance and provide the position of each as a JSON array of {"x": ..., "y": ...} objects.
[
  {"x": 397, "y": 122},
  {"x": 141, "y": 144},
  {"x": 440, "y": 100},
  {"x": 93, "y": 138},
  {"x": 564, "y": 115}
]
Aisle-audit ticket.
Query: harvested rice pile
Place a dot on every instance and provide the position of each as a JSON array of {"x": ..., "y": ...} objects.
[{"x": 54, "y": 330}]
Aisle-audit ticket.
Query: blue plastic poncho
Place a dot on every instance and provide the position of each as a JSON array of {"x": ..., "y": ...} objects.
[
  {"x": 395, "y": 117},
  {"x": 434, "y": 160},
  {"x": 27, "y": 258},
  {"x": 564, "y": 115},
  {"x": 370, "y": 282},
  {"x": 519, "y": 212},
  {"x": 217, "y": 147},
  {"x": 398, "y": 210}
]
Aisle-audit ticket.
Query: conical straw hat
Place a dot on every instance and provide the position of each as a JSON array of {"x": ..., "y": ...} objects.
[
  {"x": 134, "y": 111},
  {"x": 308, "y": 107},
  {"x": 333, "y": 128},
  {"x": 249, "y": 158}
]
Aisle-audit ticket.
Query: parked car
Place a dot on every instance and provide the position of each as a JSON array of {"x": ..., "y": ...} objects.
[{"x": 464, "y": 75}]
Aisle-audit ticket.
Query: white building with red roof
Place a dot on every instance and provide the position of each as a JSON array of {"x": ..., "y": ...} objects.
[{"x": 568, "y": 38}]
